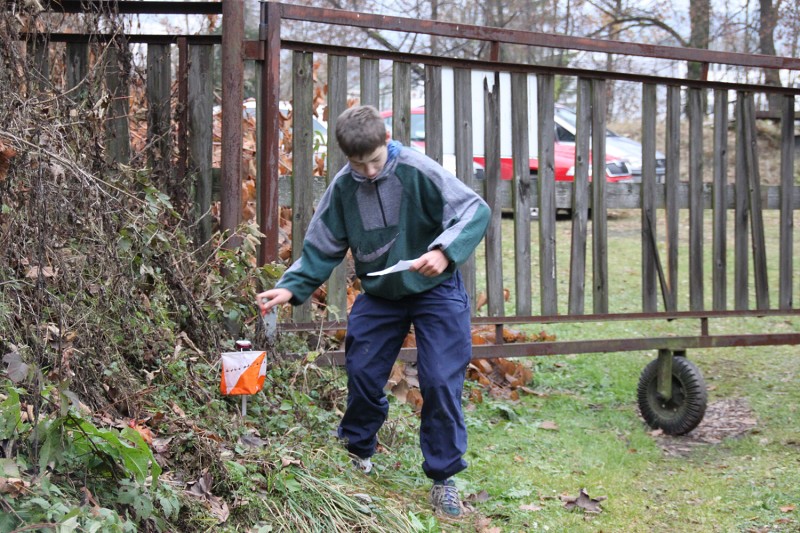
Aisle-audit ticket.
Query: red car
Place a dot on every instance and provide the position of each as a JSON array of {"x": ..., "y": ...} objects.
[{"x": 564, "y": 154}]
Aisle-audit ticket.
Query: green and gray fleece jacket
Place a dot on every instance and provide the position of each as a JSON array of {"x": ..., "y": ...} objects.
[{"x": 413, "y": 206}]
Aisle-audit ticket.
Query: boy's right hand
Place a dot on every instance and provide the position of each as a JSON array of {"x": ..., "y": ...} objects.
[{"x": 268, "y": 299}]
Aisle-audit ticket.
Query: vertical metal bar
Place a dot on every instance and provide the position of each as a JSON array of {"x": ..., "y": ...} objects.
[
  {"x": 521, "y": 192},
  {"x": 232, "y": 95},
  {"x": 695, "y": 200},
  {"x": 268, "y": 146},
  {"x": 580, "y": 199},
  {"x": 671, "y": 185},
  {"x": 786, "y": 291},
  {"x": 547, "y": 195},
  {"x": 664, "y": 379},
  {"x": 649, "y": 237},
  {"x": 719, "y": 201},
  {"x": 434, "y": 147},
  {"x": 462, "y": 94},
  {"x": 599, "y": 220},
  {"x": 183, "y": 106}
]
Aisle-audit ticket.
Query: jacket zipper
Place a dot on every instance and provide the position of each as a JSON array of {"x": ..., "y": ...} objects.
[{"x": 380, "y": 204}]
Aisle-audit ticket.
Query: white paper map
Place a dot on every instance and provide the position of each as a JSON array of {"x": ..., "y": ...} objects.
[{"x": 398, "y": 267}]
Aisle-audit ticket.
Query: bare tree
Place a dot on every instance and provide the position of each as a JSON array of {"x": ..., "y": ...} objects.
[{"x": 768, "y": 20}]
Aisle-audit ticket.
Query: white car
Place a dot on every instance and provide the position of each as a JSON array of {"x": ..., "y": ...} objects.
[{"x": 617, "y": 146}]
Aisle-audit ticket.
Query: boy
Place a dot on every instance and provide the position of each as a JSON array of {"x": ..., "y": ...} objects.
[{"x": 387, "y": 204}]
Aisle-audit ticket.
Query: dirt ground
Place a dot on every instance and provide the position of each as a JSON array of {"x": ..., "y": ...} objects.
[{"x": 729, "y": 418}]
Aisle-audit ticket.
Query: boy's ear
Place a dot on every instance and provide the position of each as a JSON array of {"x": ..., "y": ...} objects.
[{"x": 388, "y": 135}]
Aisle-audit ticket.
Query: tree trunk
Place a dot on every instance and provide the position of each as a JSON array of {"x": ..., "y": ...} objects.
[
  {"x": 700, "y": 16},
  {"x": 768, "y": 19}
]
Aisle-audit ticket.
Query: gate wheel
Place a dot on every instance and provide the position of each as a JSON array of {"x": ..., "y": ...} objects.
[{"x": 684, "y": 411}]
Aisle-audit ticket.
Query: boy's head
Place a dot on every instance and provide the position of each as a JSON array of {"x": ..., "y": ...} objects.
[{"x": 362, "y": 136}]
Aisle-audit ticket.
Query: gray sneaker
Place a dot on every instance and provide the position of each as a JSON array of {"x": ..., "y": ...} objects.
[
  {"x": 363, "y": 464},
  {"x": 444, "y": 499}
]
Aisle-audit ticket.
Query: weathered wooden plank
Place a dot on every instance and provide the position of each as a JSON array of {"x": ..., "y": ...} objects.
[
  {"x": 741, "y": 214},
  {"x": 547, "y": 196},
  {"x": 521, "y": 192},
  {"x": 159, "y": 126},
  {"x": 649, "y": 224},
  {"x": 77, "y": 67},
  {"x": 494, "y": 237},
  {"x": 434, "y": 147},
  {"x": 401, "y": 102},
  {"x": 302, "y": 159},
  {"x": 200, "y": 130},
  {"x": 719, "y": 202},
  {"x": 335, "y": 160},
  {"x": 38, "y": 58},
  {"x": 786, "y": 285},
  {"x": 671, "y": 184},
  {"x": 599, "y": 220},
  {"x": 695, "y": 203},
  {"x": 117, "y": 135},
  {"x": 464, "y": 166},
  {"x": 370, "y": 82},
  {"x": 580, "y": 200},
  {"x": 754, "y": 201}
]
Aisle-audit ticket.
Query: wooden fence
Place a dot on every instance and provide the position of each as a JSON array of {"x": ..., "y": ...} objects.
[{"x": 659, "y": 204}]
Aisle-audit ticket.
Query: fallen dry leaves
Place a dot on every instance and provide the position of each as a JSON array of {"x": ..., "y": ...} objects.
[
  {"x": 201, "y": 489},
  {"x": 583, "y": 501}
]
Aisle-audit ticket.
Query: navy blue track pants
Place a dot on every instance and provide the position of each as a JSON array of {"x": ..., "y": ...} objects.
[{"x": 375, "y": 332}]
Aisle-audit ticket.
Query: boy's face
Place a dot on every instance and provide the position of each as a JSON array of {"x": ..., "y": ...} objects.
[{"x": 370, "y": 165}]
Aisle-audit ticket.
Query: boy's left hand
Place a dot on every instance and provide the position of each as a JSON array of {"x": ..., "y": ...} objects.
[{"x": 431, "y": 263}]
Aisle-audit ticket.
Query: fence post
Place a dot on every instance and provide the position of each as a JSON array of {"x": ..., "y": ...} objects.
[
  {"x": 649, "y": 233},
  {"x": 462, "y": 93},
  {"x": 599, "y": 221},
  {"x": 787, "y": 216},
  {"x": 335, "y": 160},
  {"x": 547, "y": 195},
  {"x": 720, "y": 201},
  {"x": 159, "y": 130},
  {"x": 522, "y": 192},
  {"x": 269, "y": 126},
  {"x": 580, "y": 199},
  {"x": 232, "y": 95},
  {"x": 200, "y": 86},
  {"x": 671, "y": 184},
  {"x": 117, "y": 70},
  {"x": 695, "y": 200},
  {"x": 493, "y": 240},
  {"x": 302, "y": 156}
]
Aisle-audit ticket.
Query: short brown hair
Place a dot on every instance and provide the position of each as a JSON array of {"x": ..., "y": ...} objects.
[{"x": 360, "y": 130}]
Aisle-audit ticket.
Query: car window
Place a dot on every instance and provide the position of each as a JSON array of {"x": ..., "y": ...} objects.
[
  {"x": 564, "y": 136},
  {"x": 417, "y": 127}
]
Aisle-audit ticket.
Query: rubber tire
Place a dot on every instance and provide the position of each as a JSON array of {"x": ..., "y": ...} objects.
[{"x": 685, "y": 410}]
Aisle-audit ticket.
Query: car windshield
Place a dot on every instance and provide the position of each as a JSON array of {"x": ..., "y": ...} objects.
[{"x": 569, "y": 116}]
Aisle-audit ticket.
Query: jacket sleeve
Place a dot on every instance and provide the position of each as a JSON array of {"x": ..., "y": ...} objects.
[
  {"x": 465, "y": 217},
  {"x": 324, "y": 246}
]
